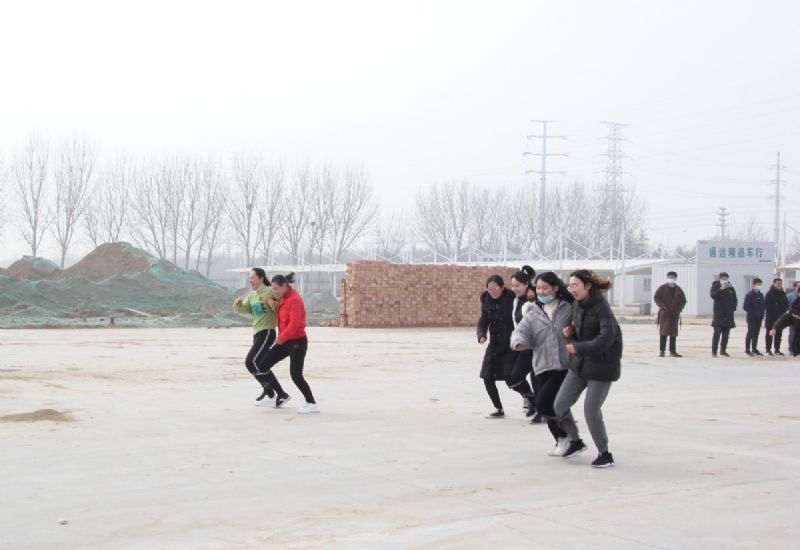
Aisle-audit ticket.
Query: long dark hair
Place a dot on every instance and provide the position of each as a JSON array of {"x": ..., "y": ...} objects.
[
  {"x": 553, "y": 280},
  {"x": 496, "y": 279},
  {"x": 261, "y": 274},
  {"x": 599, "y": 285},
  {"x": 284, "y": 280},
  {"x": 525, "y": 276}
]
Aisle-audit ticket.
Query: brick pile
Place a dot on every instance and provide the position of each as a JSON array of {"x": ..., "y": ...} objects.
[{"x": 386, "y": 295}]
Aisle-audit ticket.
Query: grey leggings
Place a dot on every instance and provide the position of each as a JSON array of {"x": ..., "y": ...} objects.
[{"x": 596, "y": 393}]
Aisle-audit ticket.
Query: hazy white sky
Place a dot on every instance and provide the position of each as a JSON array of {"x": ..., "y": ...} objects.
[{"x": 423, "y": 92}]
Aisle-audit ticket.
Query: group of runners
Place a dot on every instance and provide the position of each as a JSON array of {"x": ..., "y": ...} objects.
[
  {"x": 567, "y": 338},
  {"x": 564, "y": 336}
]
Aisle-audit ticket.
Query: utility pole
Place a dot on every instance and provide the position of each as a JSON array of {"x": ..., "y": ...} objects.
[
  {"x": 777, "y": 196},
  {"x": 722, "y": 221},
  {"x": 614, "y": 191},
  {"x": 543, "y": 170}
]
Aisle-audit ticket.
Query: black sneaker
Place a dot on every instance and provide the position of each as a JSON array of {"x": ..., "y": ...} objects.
[
  {"x": 281, "y": 401},
  {"x": 747, "y": 353},
  {"x": 268, "y": 392},
  {"x": 713, "y": 354},
  {"x": 603, "y": 460},
  {"x": 769, "y": 353},
  {"x": 497, "y": 414},
  {"x": 758, "y": 353},
  {"x": 662, "y": 354},
  {"x": 537, "y": 419},
  {"x": 575, "y": 447},
  {"x": 675, "y": 354},
  {"x": 724, "y": 354},
  {"x": 778, "y": 352}
]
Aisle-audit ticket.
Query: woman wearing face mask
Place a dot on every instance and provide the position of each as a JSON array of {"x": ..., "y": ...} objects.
[
  {"x": 291, "y": 342},
  {"x": 497, "y": 314},
  {"x": 542, "y": 332},
  {"x": 521, "y": 283},
  {"x": 725, "y": 303},
  {"x": 264, "y": 322},
  {"x": 596, "y": 349},
  {"x": 670, "y": 300}
]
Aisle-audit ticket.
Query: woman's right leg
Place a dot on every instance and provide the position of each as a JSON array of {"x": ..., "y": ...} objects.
[
  {"x": 549, "y": 384},
  {"x": 596, "y": 394},
  {"x": 567, "y": 396},
  {"x": 494, "y": 395},
  {"x": 266, "y": 361},
  {"x": 518, "y": 380},
  {"x": 262, "y": 341}
]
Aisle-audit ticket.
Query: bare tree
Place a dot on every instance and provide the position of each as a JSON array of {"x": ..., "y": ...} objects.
[
  {"x": 188, "y": 195},
  {"x": 214, "y": 193},
  {"x": 323, "y": 205},
  {"x": 150, "y": 207},
  {"x": 73, "y": 171},
  {"x": 243, "y": 209},
  {"x": 3, "y": 204},
  {"x": 752, "y": 231},
  {"x": 31, "y": 165},
  {"x": 297, "y": 211},
  {"x": 269, "y": 211},
  {"x": 106, "y": 212},
  {"x": 442, "y": 217},
  {"x": 353, "y": 211},
  {"x": 173, "y": 177},
  {"x": 393, "y": 236}
]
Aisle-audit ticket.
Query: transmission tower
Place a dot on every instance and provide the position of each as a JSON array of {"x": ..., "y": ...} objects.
[
  {"x": 614, "y": 191},
  {"x": 543, "y": 170},
  {"x": 722, "y": 222},
  {"x": 777, "y": 196}
]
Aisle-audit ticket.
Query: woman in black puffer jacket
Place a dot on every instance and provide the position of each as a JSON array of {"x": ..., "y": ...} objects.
[
  {"x": 596, "y": 349},
  {"x": 497, "y": 311}
]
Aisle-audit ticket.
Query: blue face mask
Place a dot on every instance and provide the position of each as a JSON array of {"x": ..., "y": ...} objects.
[{"x": 546, "y": 299}]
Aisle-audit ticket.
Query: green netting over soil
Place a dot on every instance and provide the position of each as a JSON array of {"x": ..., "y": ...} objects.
[{"x": 121, "y": 281}]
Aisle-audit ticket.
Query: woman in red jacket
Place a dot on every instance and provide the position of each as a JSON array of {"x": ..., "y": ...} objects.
[{"x": 291, "y": 342}]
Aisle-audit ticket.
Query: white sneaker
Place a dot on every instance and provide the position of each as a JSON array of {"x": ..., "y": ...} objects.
[
  {"x": 308, "y": 408},
  {"x": 265, "y": 401},
  {"x": 560, "y": 447}
]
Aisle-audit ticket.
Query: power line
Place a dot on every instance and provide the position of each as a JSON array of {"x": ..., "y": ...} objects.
[{"x": 543, "y": 170}]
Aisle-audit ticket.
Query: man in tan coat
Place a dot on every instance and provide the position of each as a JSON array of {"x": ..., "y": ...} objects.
[{"x": 670, "y": 300}]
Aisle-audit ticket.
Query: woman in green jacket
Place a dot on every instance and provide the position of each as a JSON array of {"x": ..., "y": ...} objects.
[{"x": 260, "y": 305}]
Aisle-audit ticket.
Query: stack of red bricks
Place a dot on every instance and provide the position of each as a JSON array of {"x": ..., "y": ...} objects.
[{"x": 382, "y": 295}]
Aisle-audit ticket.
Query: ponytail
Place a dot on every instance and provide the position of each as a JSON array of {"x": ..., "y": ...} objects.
[
  {"x": 525, "y": 276},
  {"x": 284, "y": 280}
]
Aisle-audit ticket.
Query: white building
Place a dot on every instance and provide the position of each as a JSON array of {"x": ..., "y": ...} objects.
[{"x": 743, "y": 261}]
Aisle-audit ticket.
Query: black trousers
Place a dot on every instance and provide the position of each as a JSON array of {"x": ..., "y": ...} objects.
[
  {"x": 722, "y": 333},
  {"x": 753, "y": 330},
  {"x": 663, "y": 343},
  {"x": 262, "y": 342},
  {"x": 768, "y": 340},
  {"x": 549, "y": 383},
  {"x": 295, "y": 350},
  {"x": 518, "y": 380}
]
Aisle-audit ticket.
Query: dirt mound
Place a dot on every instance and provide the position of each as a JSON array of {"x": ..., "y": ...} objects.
[
  {"x": 33, "y": 269},
  {"x": 110, "y": 260},
  {"x": 39, "y": 415}
]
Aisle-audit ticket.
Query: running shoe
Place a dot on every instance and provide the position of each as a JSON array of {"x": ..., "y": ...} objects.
[
  {"x": 497, "y": 414},
  {"x": 758, "y": 353},
  {"x": 308, "y": 408},
  {"x": 778, "y": 352},
  {"x": 724, "y": 354},
  {"x": 769, "y": 353},
  {"x": 747, "y": 353},
  {"x": 603, "y": 460},
  {"x": 575, "y": 448},
  {"x": 560, "y": 447},
  {"x": 675, "y": 354},
  {"x": 281, "y": 401},
  {"x": 537, "y": 419},
  {"x": 662, "y": 354}
]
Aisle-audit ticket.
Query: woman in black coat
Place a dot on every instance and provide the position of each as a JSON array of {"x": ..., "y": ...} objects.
[
  {"x": 496, "y": 323},
  {"x": 790, "y": 319},
  {"x": 596, "y": 349},
  {"x": 725, "y": 303}
]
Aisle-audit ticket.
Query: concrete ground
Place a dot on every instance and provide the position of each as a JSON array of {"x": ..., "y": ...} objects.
[{"x": 147, "y": 438}]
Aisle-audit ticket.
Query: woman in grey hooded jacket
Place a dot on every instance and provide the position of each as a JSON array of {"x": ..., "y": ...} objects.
[{"x": 542, "y": 330}]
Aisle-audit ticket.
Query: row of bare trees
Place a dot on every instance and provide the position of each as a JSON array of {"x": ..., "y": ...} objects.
[
  {"x": 454, "y": 220},
  {"x": 184, "y": 209}
]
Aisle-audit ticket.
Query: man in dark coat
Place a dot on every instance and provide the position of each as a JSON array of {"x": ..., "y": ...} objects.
[
  {"x": 725, "y": 303},
  {"x": 754, "y": 307},
  {"x": 670, "y": 300},
  {"x": 776, "y": 304}
]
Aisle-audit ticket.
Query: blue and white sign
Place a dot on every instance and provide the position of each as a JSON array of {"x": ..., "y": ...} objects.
[{"x": 735, "y": 252}]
